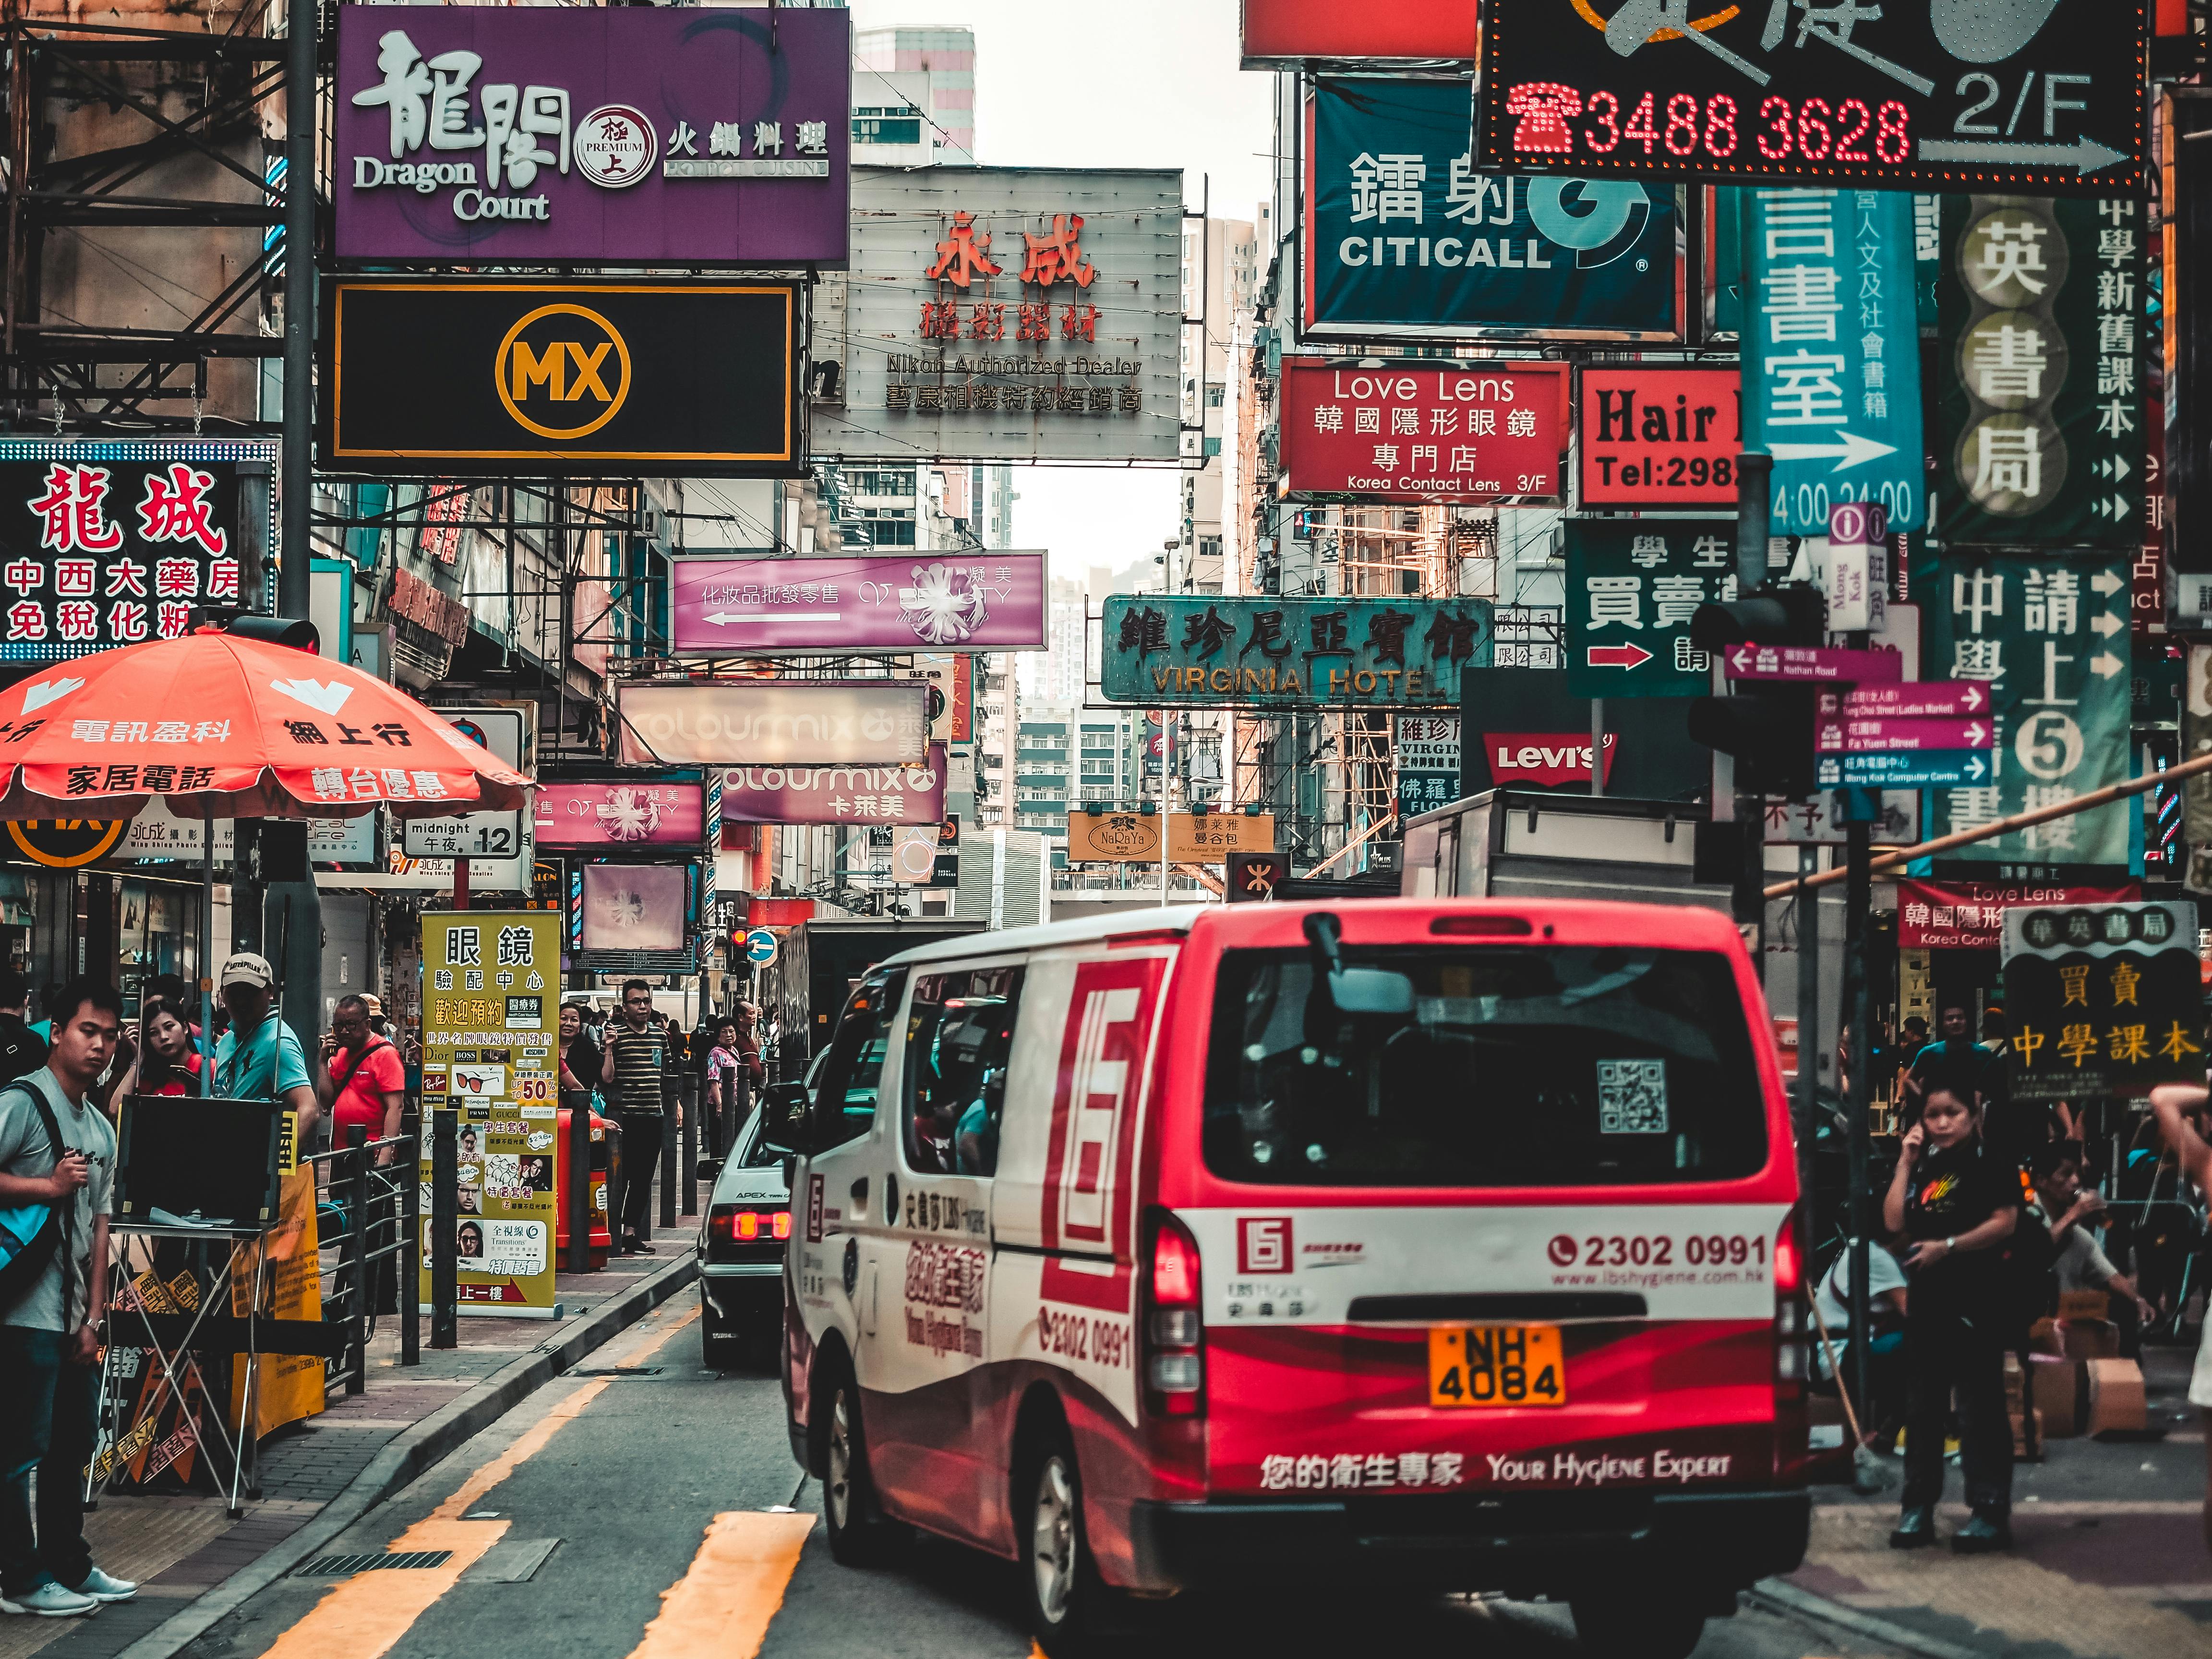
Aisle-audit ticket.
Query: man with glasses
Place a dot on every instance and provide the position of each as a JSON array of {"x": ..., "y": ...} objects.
[{"x": 634, "y": 1075}]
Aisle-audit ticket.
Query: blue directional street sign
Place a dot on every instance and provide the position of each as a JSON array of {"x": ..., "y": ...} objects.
[
  {"x": 1948, "y": 769},
  {"x": 760, "y": 947}
]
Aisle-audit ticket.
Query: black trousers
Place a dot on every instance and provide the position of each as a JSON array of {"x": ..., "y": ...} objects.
[
  {"x": 1948, "y": 1353},
  {"x": 47, "y": 1423},
  {"x": 640, "y": 1159}
]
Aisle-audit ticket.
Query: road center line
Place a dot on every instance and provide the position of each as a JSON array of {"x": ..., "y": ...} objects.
[
  {"x": 365, "y": 1615},
  {"x": 722, "y": 1607}
]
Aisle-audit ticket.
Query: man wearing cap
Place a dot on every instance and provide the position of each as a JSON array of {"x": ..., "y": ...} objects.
[{"x": 259, "y": 1058}]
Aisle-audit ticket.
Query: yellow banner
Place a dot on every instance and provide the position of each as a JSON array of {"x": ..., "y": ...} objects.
[
  {"x": 1193, "y": 837},
  {"x": 290, "y": 1385},
  {"x": 491, "y": 1016}
]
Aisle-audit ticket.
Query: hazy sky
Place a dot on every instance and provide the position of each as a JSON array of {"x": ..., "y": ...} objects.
[{"x": 1146, "y": 83}]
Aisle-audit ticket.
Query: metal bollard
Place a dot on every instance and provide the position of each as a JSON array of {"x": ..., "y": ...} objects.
[
  {"x": 579, "y": 1154},
  {"x": 445, "y": 1275},
  {"x": 407, "y": 1262},
  {"x": 356, "y": 1259},
  {"x": 688, "y": 1161},
  {"x": 668, "y": 1106}
]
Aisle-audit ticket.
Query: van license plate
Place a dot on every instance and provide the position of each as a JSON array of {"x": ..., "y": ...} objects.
[{"x": 1496, "y": 1365}]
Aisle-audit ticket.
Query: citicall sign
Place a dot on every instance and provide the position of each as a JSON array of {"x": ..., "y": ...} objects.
[{"x": 1547, "y": 759}]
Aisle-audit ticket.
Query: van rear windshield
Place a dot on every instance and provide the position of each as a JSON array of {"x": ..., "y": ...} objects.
[{"x": 1516, "y": 1065}]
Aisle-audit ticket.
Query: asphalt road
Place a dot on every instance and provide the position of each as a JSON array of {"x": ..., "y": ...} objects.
[{"x": 663, "y": 1488}]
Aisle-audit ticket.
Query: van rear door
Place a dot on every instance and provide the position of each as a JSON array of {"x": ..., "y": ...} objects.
[{"x": 1521, "y": 1235}]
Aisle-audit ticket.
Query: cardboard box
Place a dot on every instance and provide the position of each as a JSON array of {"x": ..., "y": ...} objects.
[
  {"x": 2089, "y": 1339},
  {"x": 2085, "y": 1305},
  {"x": 2021, "y": 1450},
  {"x": 2043, "y": 1338},
  {"x": 2062, "y": 1394},
  {"x": 2115, "y": 1397}
]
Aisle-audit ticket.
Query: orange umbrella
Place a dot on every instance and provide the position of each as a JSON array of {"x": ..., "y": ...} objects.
[{"x": 230, "y": 727}]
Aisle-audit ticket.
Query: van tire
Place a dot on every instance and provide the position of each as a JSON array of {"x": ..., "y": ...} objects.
[
  {"x": 1659, "y": 1624},
  {"x": 860, "y": 1535},
  {"x": 720, "y": 1348},
  {"x": 1061, "y": 1586}
]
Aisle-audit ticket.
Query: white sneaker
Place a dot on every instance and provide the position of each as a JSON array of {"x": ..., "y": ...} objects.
[
  {"x": 106, "y": 1587},
  {"x": 50, "y": 1600}
]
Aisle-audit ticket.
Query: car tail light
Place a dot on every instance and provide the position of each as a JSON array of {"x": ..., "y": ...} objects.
[
  {"x": 1789, "y": 1257},
  {"x": 739, "y": 1223},
  {"x": 1175, "y": 1334}
]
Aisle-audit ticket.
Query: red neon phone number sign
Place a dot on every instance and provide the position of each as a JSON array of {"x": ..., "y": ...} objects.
[{"x": 1549, "y": 117}]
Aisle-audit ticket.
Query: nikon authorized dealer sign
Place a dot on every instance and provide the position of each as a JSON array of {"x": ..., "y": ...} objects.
[{"x": 473, "y": 376}]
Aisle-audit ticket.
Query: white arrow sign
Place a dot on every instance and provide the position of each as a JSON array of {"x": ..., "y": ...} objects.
[
  {"x": 1851, "y": 450},
  {"x": 2105, "y": 583},
  {"x": 2106, "y": 663},
  {"x": 2084, "y": 156},
  {"x": 2107, "y": 625},
  {"x": 726, "y": 619},
  {"x": 1975, "y": 733}
]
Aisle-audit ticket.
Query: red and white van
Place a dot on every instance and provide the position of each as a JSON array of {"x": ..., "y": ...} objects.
[{"x": 1448, "y": 1244}]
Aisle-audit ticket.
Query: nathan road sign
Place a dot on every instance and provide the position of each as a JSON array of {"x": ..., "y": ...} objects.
[
  {"x": 1910, "y": 699},
  {"x": 1853, "y": 735},
  {"x": 1943, "y": 768},
  {"x": 1808, "y": 662},
  {"x": 2042, "y": 96}
]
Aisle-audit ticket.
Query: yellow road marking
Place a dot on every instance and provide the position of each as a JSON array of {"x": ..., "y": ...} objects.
[
  {"x": 362, "y": 1617},
  {"x": 722, "y": 1607}
]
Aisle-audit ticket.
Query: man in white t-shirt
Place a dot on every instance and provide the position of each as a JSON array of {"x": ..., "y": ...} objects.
[
  {"x": 50, "y": 1335},
  {"x": 1886, "y": 1302}
]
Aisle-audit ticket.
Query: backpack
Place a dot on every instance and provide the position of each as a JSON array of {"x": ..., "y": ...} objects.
[{"x": 31, "y": 1234}]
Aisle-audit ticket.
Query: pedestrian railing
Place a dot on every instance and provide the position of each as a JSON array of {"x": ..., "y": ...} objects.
[{"x": 369, "y": 1222}]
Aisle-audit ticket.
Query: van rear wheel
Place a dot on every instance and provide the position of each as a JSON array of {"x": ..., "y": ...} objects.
[
  {"x": 1061, "y": 1585},
  {"x": 1626, "y": 1624}
]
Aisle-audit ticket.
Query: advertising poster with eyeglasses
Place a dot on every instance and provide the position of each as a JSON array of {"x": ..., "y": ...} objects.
[
  {"x": 2104, "y": 1000},
  {"x": 491, "y": 997},
  {"x": 1406, "y": 236}
]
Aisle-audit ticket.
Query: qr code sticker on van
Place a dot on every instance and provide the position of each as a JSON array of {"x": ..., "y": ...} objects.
[{"x": 1631, "y": 1096}]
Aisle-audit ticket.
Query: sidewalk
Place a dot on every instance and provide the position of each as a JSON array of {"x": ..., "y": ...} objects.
[
  {"x": 2109, "y": 1558},
  {"x": 317, "y": 1476}
]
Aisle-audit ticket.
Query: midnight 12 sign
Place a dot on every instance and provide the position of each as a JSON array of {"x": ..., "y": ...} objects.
[
  {"x": 1422, "y": 431},
  {"x": 2041, "y": 95}
]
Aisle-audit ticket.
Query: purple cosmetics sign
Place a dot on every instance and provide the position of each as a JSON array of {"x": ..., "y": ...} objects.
[
  {"x": 624, "y": 135},
  {"x": 836, "y": 794},
  {"x": 946, "y": 601}
]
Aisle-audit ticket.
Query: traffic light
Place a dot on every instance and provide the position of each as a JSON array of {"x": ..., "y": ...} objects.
[{"x": 1768, "y": 726}]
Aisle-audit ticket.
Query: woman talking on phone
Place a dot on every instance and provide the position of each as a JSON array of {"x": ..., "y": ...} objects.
[{"x": 1957, "y": 1204}]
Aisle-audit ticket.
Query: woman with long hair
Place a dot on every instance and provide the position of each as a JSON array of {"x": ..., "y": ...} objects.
[
  {"x": 1959, "y": 1203},
  {"x": 167, "y": 1063}
]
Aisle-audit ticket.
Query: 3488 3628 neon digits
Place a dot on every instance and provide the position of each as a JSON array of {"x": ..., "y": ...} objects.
[{"x": 1552, "y": 120}]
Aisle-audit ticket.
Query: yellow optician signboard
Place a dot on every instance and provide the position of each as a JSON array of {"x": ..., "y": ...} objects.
[
  {"x": 491, "y": 996},
  {"x": 1193, "y": 837}
]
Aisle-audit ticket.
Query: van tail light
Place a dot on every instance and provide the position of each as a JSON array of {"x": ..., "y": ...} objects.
[
  {"x": 1790, "y": 1320},
  {"x": 1175, "y": 1334}
]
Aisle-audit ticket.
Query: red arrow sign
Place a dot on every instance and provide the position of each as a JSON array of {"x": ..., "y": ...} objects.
[{"x": 1627, "y": 655}]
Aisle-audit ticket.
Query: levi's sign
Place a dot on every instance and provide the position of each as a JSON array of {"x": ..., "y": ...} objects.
[
  {"x": 2041, "y": 96},
  {"x": 1413, "y": 432}
]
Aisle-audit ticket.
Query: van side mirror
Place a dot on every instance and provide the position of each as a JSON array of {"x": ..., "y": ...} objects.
[
  {"x": 710, "y": 1170},
  {"x": 784, "y": 1118}
]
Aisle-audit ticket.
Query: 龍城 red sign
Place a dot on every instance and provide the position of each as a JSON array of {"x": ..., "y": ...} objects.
[{"x": 1422, "y": 431}]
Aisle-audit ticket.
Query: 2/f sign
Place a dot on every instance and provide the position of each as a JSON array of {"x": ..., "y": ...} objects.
[{"x": 1659, "y": 438}]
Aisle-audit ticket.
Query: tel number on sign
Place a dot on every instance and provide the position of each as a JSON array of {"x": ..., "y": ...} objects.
[{"x": 1496, "y": 1365}]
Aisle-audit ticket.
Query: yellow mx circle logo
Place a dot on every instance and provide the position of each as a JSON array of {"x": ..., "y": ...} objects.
[{"x": 563, "y": 370}]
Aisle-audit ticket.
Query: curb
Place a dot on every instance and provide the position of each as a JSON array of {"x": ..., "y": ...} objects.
[
  {"x": 1773, "y": 1596},
  {"x": 410, "y": 1452}
]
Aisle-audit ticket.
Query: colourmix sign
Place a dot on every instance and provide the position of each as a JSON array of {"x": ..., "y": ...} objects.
[
  {"x": 472, "y": 375},
  {"x": 775, "y": 723},
  {"x": 595, "y": 136}
]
